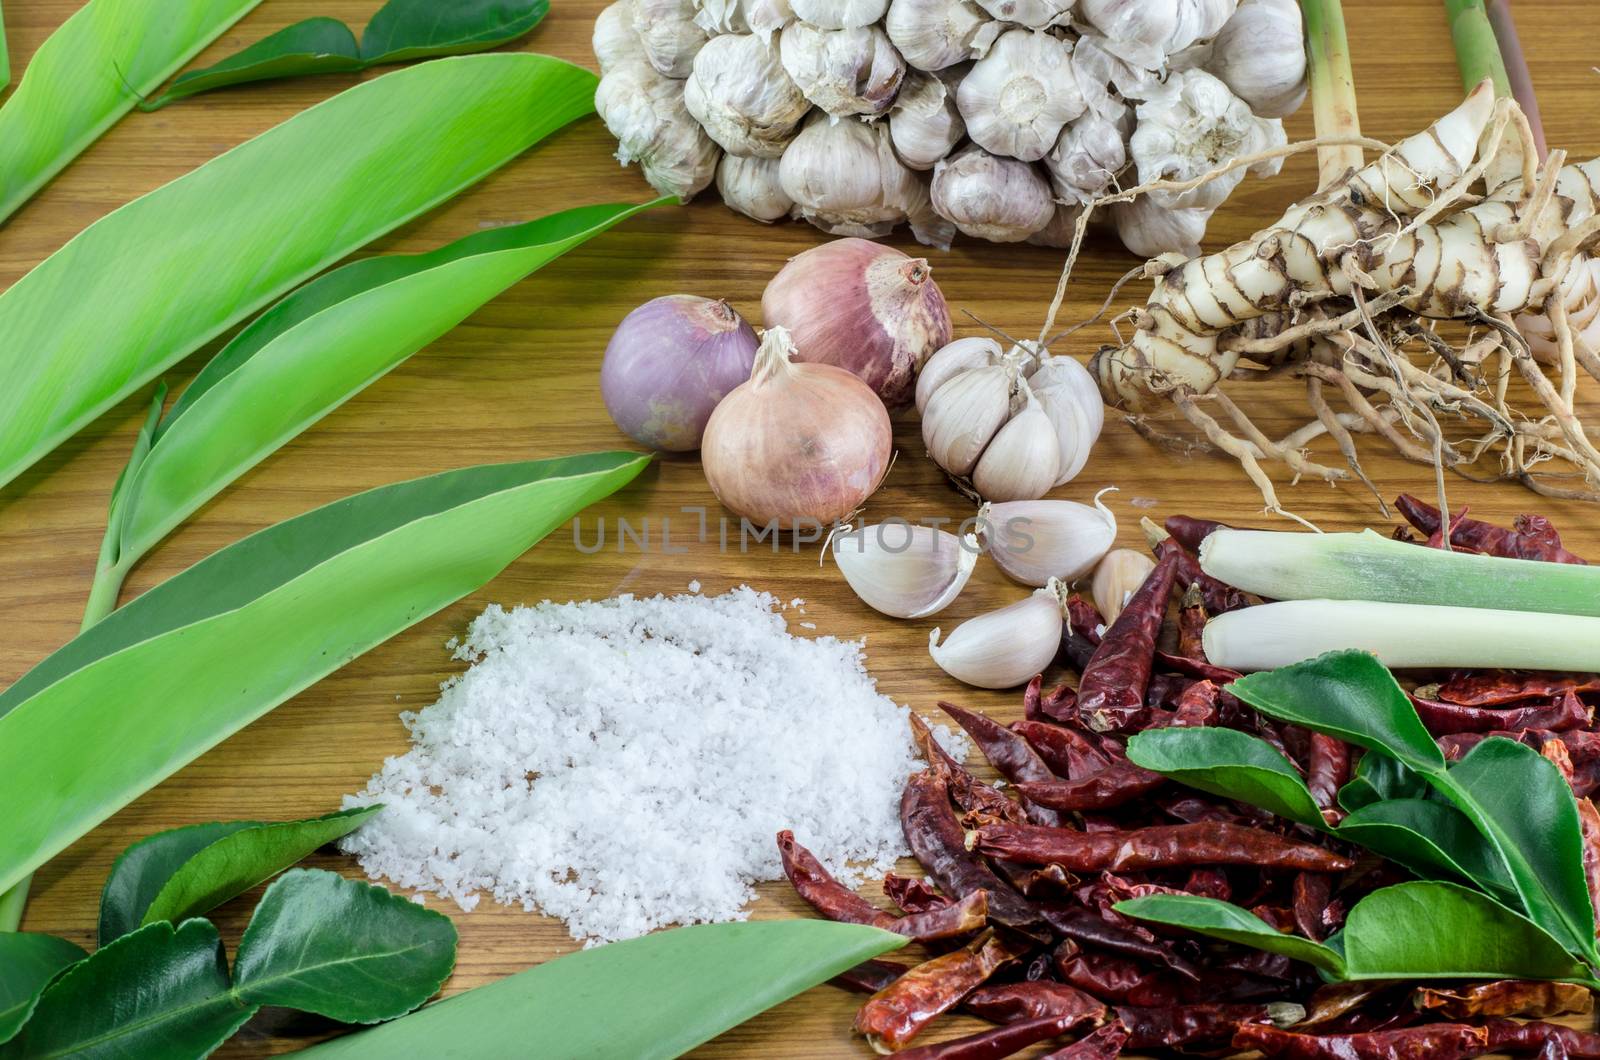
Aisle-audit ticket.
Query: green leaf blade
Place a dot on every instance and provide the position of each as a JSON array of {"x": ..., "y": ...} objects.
[
  {"x": 415, "y": 29},
  {"x": 28, "y": 964},
  {"x": 88, "y": 74},
  {"x": 1228, "y": 763},
  {"x": 1378, "y": 777},
  {"x": 126, "y": 704},
  {"x": 1431, "y": 839},
  {"x": 1230, "y": 923},
  {"x": 141, "y": 870},
  {"x": 243, "y": 858},
  {"x": 342, "y": 948},
  {"x": 682, "y": 987},
  {"x": 171, "y": 270},
  {"x": 315, "y": 46}
]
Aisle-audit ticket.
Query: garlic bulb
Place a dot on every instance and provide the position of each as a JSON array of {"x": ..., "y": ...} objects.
[
  {"x": 1061, "y": 230},
  {"x": 669, "y": 34},
  {"x": 765, "y": 17},
  {"x": 1145, "y": 32},
  {"x": 844, "y": 178},
  {"x": 1018, "y": 97},
  {"x": 1150, "y": 230},
  {"x": 1195, "y": 125},
  {"x": 924, "y": 125},
  {"x": 1023, "y": 459},
  {"x": 1004, "y": 648},
  {"x": 937, "y": 34},
  {"x": 1086, "y": 159},
  {"x": 952, "y": 359},
  {"x": 1119, "y": 574},
  {"x": 751, "y": 186},
  {"x": 902, "y": 570},
  {"x": 990, "y": 197},
  {"x": 839, "y": 14},
  {"x": 614, "y": 40},
  {"x": 645, "y": 112},
  {"x": 1034, "y": 14},
  {"x": 740, "y": 93},
  {"x": 843, "y": 71},
  {"x": 1260, "y": 54},
  {"x": 1034, "y": 541}
]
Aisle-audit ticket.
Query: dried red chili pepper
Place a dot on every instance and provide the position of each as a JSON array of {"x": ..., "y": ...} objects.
[
  {"x": 938, "y": 841},
  {"x": 1116, "y": 979},
  {"x": 894, "y": 1015},
  {"x": 1164, "y": 689},
  {"x": 1065, "y": 750},
  {"x": 912, "y": 894},
  {"x": 1010, "y": 754},
  {"x": 1192, "y": 620},
  {"x": 1159, "y": 846},
  {"x": 1516, "y": 1037},
  {"x": 1000, "y": 1042},
  {"x": 1589, "y": 822},
  {"x": 1498, "y": 688},
  {"x": 835, "y": 901},
  {"x": 1084, "y": 617},
  {"x": 1086, "y": 927},
  {"x": 1111, "y": 690},
  {"x": 1033, "y": 699},
  {"x": 1038, "y": 881},
  {"x": 1106, "y": 1043},
  {"x": 1189, "y": 532},
  {"x": 1010, "y": 1002},
  {"x": 1533, "y": 538},
  {"x": 1208, "y": 883},
  {"x": 1198, "y": 1025},
  {"x": 1312, "y": 893},
  {"x": 970, "y": 793},
  {"x": 1437, "y": 1041},
  {"x": 1192, "y": 809},
  {"x": 1059, "y": 704},
  {"x": 1505, "y": 997},
  {"x": 1114, "y": 786},
  {"x": 869, "y": 976},
  {"x": 1198, "y": 669},
  {"x": 1331, "y": 1004},
  {"x": 1327, "y": 770},
  {"x": 1219, "y": 597},
  {"x": 1442, "y": 719}
]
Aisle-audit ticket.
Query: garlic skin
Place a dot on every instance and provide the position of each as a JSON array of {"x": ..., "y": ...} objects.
[
  {"x": 843, "y": 71},
  {"x": 614, "y": 40},
  {"x": 1022, "y": 461},
  {"x": 963, "y": 415},
  {"x": 1085, "y": 161},
  {"x": 1034, "y": 14},
  {"x": 765, "y": 17},
  {"x": 1119, "y": 574},
  {"x": 645, "y": 112},
  {"x": 1195, "y": 125},
  {"x": 1065, "y": 376},
  {"x": 990, "y": 197},
  {"x": 1145, "y": 32},
  {"x": 937, "y": 34},
  {"x": 741, "y": 95},
  {"x": 951, "y": 359},
  {"x": 1260, "y": 54},
  {"x": 1017, "y": 98},
  {"x": 845, "y": 178},
  {"x": 839, "y": 14},
  {"x": 668, "y": 33},
  {"x": 751, "y": 186},
  {"x": 905, "y": 571},
  {"x": 1034, "y": 541},
  {"x": 1004, "y": 648},
  {"x": 1150, "y": 230},
  {"x": 924, "y": 125},
  {"x": 1061, "y": 230}
]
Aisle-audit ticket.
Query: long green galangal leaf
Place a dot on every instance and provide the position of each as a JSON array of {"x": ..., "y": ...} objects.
[
  {"x": 5, "y": 55},
  {"x": 91, "y": 72},
  {"x": 150, "y": 283},
  {"x": 315, "y": 349},
  {"x": 177, "y": 670},
  {"x": 650, "y": 998},
  {"x": 401, "y": 30}
]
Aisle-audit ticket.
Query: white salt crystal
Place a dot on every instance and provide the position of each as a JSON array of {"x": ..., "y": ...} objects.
[
  {"x": 694, "y": 586},
  {"x": 625, "y": 764}
]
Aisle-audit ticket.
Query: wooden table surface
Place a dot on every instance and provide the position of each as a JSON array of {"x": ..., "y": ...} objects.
[{"x": 518, "y": 380}]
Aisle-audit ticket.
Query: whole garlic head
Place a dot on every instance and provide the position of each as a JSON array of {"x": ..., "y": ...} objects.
[
  {"x": 765, "y": 17},
  {"x": 644, "y": 110},
  {"x": 937, "y": 34},
  {"x": 669, "y": 34},
  {"x": 840, "y": 14},
  {"x": 843, "y": 71},
  {"x": 614, "y": 40},
  {"x": 1034, "y": 14},
  {"x": 1195, "y": 125},
  {"x": 751, "y": 186},
  {"x": 991, "y": 197},
  {"x": 740, "y": 93},
  {"x": 1146, "y": 32},
  {"x": 1018, "y": 98},
  {"x": 924, "y": 124},
  {"x": 1086, "y": 159},
  {"x": 844, "y": 178},
  {"x": 1260, "y": 55},
  {"x": 1150, "y": 230}
]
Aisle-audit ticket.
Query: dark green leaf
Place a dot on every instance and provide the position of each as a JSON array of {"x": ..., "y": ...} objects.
[
  {"x": 315, "y": 46},
  {"x": 1519, "y": 800},
  {"x": 1230, "y": 923},
  {"x": 140, "y": 872},
  {"x": 416, "y": 29},
  {"x": 1378, "y": 777},
  {"x": 342, "y": 948},
  {"x": 158, "y": 992},
  {"x": 28, "y": 962},
  {"x": 1228, "y": 763},
  {"x": 1431, "y": 839},
  {"x": 1445, "y": 931},
  {"x": 651, "y": 998},
  {"x": 1350, "y": 695},
  {"x": 237, "y": 862}
]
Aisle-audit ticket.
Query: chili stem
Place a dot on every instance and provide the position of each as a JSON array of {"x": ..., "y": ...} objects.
[{"x": 1333, "y": 88}]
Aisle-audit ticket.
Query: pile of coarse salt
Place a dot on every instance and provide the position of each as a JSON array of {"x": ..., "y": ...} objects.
[{"x": 625, "y": 764}]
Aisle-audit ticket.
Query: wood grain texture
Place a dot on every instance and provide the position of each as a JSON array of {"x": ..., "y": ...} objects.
[{"x": 518, "y": 380}]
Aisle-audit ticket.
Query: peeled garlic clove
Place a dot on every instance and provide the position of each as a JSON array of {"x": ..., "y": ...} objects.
[
  {"x": 935, "y": 34},
  {"x": 990, "y": 197},
  {"x": 924, "y": 124},
  {"x": 843, "y": 71},
  {"x": 964, "y": 414},
  {"x": 751, "y": 186},
  {"x": 740, "y": 93},
  {"x": 905, "y": 571},
  {"x": 1023, "y": 460},
  {"x": 1120, "y": 573},
  {"x": 644, "y": 110},
  {"x": 614, "y": 40},
  {"x": 1034, "y": 541},
  {"x": 669, "y": 34},
  {"x": 840, "y": 14},
  {"x": 1018, "y": 97},
  {"x": 952, "y": 359},
  {"x": 1004, "y": 648}
]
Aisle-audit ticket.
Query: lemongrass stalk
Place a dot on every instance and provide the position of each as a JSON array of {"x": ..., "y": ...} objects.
[
  {"x": 1477, "y": 49},
  {"x": 1402, "y": 636},
  {"x": 1333, "y": 88},
  {"x": 1368, "y": 566},
  {"x": 1517, "y": 73}
]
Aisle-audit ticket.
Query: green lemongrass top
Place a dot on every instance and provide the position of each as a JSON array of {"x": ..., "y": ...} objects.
[
  {"x": 1477, "y": 49},
  {"x": 1333, "y": 88}
]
